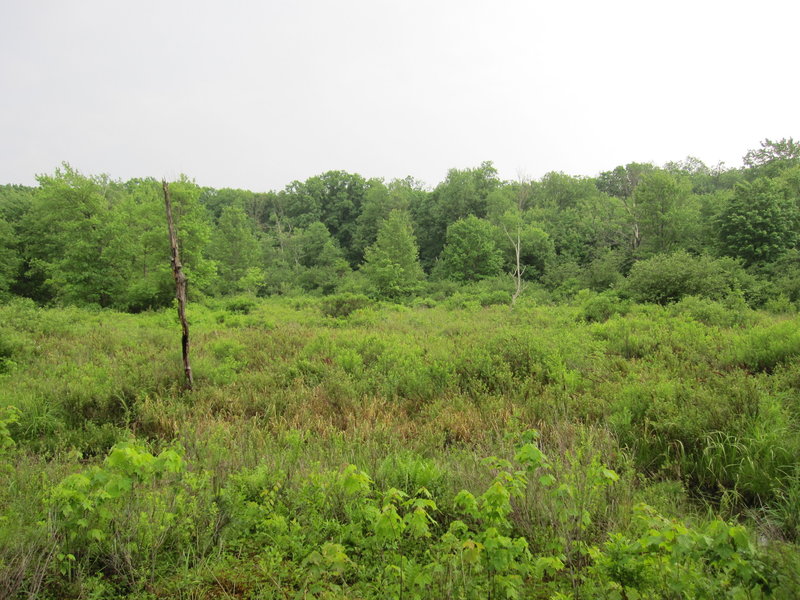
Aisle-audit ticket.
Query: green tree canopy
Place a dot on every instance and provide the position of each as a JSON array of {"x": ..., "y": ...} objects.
[
  {"x": 760, "y": 221},
  {"x": 334, "y": 199},
  {"x": 392, "y": 263},
  {"x": 9, "y": 257},
  {"x": 319, "y": 261},
  {"x": 470, "y": 251},
  {"x": 379, "y": 202},
  {"x": 580, "y": 219},
  {"x": 235, "y": 248},
  {"x": 772, "y": 158},
  {"x": 662, "y": 210},
  {"x": 464, "y": 192},
  {"x": 66, "y": 233}
]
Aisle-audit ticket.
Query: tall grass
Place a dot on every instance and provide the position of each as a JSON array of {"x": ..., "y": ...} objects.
[{"x": 694, "y": 404}]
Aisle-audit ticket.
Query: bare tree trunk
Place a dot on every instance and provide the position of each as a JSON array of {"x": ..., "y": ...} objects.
[
  {"x": 519, "y": 270},
  {"x": 180, "y": 288},
  {"x": 630, "y": 208}
]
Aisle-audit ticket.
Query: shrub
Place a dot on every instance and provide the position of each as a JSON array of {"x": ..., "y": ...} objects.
[
  {"x": 342, "y": 305},
  {"x": 711, "y": 312},
  {"x": 494, "y": 298},
  {"x": 601, "y": 307},
  {"x": 241, "y": 305},
  {"x": 764, "y": 349},
  {"x": 666, "y": 278},
  {"x": 604, "y": 272},
  {"x": 128, "y": 515}
]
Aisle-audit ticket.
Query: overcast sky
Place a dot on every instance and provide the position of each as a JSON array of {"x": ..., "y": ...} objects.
[{"x": 256, "y": 94}]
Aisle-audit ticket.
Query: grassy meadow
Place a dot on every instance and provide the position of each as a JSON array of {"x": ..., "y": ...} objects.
[{"x": 344, "y": 448}]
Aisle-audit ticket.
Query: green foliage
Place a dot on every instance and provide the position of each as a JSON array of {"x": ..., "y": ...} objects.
[
  {"x": 66, "y": 232},
  {"x": 759, "y": 223},
  {"x": 673, "y": 560},
  {"x": 235, "y": 248},
  {"x": 9, "y": 258},
  {"x": 343, "y": 305},
  {"x": 763, "y": 349},
  {"x": 409, "y": 472},
  {"x": 662, "y": 211},
  {"x": 697, "y": 396},
  {"x": 335, "y": 199},
  {"x": 379, "y": 202},
  {"x": 781, "y": 278},
  {"x": 667, "y": 278},
  {"x": 319, "y": 259},
  {"x": 605, "y": 271},
  {"x": 470, "y": 252},
  {"x": 463, "y": 193},
  {"x": 773, "y": 157},
  {"x": 8, "y": 416},
  {"x": 713, "y": 313},
  {"x": 579, "y": 219},
  {"x": 572, "y": 232},
  {"x": 128, "y": 513},
  {"x": 194, "y": 230},
  {"x": 391, "y": 265},
  {"x": 90, "y": 240},
  {"x": 623, "y": 180},
  {"x": 693, "y": 404},
  {"x": 601, "y": 307},
  {"x": 536, "y": 249}
]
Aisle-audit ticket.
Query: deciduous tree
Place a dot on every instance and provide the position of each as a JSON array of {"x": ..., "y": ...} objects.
[
  {"x": 759, "y": 223},
  {"x": 235, "y": 248},
  {"x": 470, "y": 251},
  {"x": 9, "y": 257}
]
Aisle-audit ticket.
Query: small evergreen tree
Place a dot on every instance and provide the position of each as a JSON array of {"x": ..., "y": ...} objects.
[{"x": 392, "y": 263}]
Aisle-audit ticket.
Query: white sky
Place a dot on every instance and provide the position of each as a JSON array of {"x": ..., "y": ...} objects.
[{"x": 255, "y": 94}]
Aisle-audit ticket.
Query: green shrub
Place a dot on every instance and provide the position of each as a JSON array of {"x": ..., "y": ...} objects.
[
  {"x": 494, "y": 298},
  {"x": 130, "y": 515},
  {"x": 666, "y": 278},
  {"x": 780, "y": 305},
  {"x": 670, "y": 559},
  {"x": 711, "y": 312},
  {"x": 601, "y": 307},
  {"x": 15, "y": 348},
  {"x": 424, "y": 303},
  {"x": 8, "y": 416},
  {"x": 765, "y": 349},
  {"x": 629, "y": 338},
  {"x": 604, "y": 272},
  {"x": 242, "y": 305},
  {"x": 462, "y": 300},
  {"x": 343, "y": 305}
]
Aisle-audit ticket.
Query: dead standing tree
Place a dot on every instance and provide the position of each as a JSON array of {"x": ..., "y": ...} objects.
[
  {"x": 523, "y": 198},
  {"x": 180, "y": 287},
  {"x": 519, "y": 271}
]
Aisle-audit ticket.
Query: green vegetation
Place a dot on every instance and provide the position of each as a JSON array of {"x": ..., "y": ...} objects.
[
  {"x": 391, "y": 264},
  {"x": 335, "y": 448},
  {"x": 93, "y": 241},
  {"x": 373, "y": 417}
]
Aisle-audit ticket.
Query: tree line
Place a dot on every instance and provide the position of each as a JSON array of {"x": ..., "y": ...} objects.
[{"x": 654, "y": 233}]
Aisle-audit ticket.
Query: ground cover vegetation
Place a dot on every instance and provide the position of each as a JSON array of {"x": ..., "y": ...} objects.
[{"x": 374, "y": 417}]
